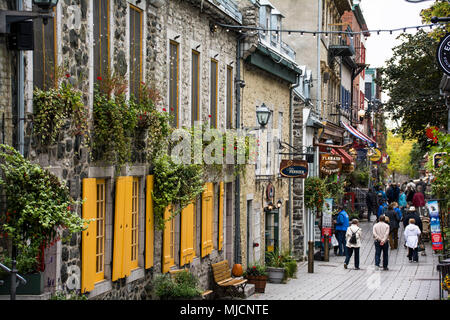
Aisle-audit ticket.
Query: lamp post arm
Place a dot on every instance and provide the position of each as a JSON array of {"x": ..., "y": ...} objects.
[{"x": 10, "y": 16}]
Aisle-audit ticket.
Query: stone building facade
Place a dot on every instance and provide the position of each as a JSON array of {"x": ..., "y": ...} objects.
[
  {"x": 187, "y": 26},
  {"x": 269, "y": 72}
]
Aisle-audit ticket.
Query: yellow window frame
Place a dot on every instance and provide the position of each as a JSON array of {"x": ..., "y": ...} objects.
[
  {"x": 134, "y": 257},
  {"x": 100, "y": 234}
]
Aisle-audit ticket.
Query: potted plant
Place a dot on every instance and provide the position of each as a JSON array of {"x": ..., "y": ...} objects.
[
  {"x": 275, "y": 266},
  {"x": 183, "y": 286},
  {"x": 257, "y": 275},
  {"x": 39, "y": 210}
]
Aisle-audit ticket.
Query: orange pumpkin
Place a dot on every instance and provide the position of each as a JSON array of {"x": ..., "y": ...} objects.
[{"x": 237, "y": 270}]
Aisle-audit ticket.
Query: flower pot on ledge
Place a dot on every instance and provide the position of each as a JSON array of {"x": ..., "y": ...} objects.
[
  {"x": 276, "y": 275},
  {"x": 258, "y": 281}
]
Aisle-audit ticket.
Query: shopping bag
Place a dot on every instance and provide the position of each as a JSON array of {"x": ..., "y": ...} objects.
[{"x": 334, "y": 241}]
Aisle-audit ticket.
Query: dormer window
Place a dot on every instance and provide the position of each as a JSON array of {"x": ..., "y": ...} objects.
[
  {"x": 276, "y": 25},
  {"x": 265, "y": 12}
]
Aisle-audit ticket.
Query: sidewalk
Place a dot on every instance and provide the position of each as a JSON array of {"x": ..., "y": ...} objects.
[{"x": 330, "y": 281}]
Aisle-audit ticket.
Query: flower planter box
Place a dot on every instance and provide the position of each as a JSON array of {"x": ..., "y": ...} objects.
[
  {"x": 34, "y": 285},
  {"x": 276, "y": 275},
  {"x": 259, "y": 282}
]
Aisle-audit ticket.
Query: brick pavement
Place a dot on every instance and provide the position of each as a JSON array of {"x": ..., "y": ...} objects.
[{"x": 330, "y": 281}]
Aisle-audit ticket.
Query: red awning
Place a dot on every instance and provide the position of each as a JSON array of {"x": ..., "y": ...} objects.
[{"x": 346, "y": 158}]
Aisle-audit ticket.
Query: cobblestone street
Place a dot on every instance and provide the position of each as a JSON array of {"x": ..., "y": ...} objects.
[{"x": 330, "y": 281}]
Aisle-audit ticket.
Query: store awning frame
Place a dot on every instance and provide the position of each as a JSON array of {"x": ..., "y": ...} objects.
[{"x": 359, "y": 134}]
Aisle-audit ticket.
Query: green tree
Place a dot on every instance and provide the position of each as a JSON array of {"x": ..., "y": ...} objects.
[
  {"x": 412, "y": 77},
  {"x": 399, "y": 151},
  {"x": 438, "y": 9}
]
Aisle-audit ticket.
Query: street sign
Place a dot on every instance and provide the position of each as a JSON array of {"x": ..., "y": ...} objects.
[
  {"x": 443, "y": 54},
  {"x": 294, "y": 168}
]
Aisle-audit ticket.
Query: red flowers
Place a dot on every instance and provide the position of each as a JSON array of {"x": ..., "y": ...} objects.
[
  {"x": 164, "y": 109},
  {"x": 209, "y": 115},
  {"x": 99, "y": 78},
  {"x": 67, "y": 75}
]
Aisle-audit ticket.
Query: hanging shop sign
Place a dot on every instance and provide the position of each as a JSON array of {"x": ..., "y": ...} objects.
[
  {"x": 437, "y": 158},
  {"x": 270, "y": 192},
  {"x": 375, "y": 155},
  {"x": 294, "y": 168},
  {"x": 435, "y": 225},
  {"x": 443, "y": 54},
  {"x": 330, "y": 163}
]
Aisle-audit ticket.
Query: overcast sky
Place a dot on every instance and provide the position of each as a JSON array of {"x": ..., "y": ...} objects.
[{"x": 386, "y": 15}]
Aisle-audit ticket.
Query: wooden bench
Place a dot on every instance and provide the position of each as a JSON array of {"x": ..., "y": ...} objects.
[{"x": 225, "y": 282}]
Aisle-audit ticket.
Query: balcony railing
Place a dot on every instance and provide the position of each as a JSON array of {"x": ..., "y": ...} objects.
[
  {"x": 342, "y": 45},
  {"x": 229, "y": 7},
  {"x": 279, "y": 46}
]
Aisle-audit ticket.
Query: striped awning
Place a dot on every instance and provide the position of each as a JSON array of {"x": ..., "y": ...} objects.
[{"x": 359, "y": 134}]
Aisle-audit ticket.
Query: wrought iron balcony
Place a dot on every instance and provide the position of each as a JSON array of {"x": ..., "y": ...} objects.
[
  {"x": 229, "y": 7},
  {"x": 341, "y": 46}
]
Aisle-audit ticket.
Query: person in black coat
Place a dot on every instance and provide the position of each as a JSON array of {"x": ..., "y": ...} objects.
[
  {"x": 394, "y": 223},
  {"x": 390, "y": 193},
  {"x": 396, "y": 192},
  {"x": 411, "y": 213},
  {"x": 372, "y": 203},
  {"x": 410, "y": 194}
]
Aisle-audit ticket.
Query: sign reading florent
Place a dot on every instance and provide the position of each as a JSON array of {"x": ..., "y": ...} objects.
[
  {"x": 443, "y": 54},
  {"x": 330, "y": 163},
  {"x": 294, "y": 168}
]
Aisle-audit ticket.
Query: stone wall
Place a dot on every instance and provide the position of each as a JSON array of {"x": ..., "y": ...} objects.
[{"x": 69, "y": 157}]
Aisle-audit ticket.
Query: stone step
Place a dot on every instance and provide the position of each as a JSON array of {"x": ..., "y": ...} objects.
[{"x": 249, "y": 290}]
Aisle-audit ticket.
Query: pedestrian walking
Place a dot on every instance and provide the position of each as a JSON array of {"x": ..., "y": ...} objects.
[
  {"x": 418, "y": 201},
  {"x": 372, "y": 204},
  {"x": 396, "y": 192},
  {"x": 353, "y": 243},
  {"x": 381, "y": 209},
  {"x": 394, "y": 222},
  {"x": 390, "y": 193},
  {"x": 402, "y": 202},
  {"x": 381, "y": 234},
  {"x": 412, "y": 233},
  {"x": 410, "y": 191},
  {"x": 341, "y": 225}
]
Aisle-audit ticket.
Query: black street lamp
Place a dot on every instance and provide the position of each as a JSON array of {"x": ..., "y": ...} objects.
[{"x": 263, "y": 115}]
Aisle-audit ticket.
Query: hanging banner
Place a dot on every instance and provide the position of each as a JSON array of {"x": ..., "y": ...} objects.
[
  {"x": 435, "y": 225},
  {"x": 327, "y": 217}
]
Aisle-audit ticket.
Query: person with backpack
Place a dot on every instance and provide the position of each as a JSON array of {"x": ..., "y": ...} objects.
[
  {"x": 394, "y": 223},
  {"x": 353, "y": 237},
  {"x": 341, "y": 226}
]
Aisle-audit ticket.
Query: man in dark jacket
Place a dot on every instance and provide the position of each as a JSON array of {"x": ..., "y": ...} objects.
[
  {"x": 372, "y": 203},
  {"x": 390, "y": 193},
  {"x": 396, "y": 192},
  {"x": 394, "y": 220}
]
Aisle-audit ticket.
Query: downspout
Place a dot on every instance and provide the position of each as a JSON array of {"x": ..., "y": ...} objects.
[
  {"x": 291, "y": 139},
  {"x": 20, "y": 94},
  {"x": 237, "y": 184}
]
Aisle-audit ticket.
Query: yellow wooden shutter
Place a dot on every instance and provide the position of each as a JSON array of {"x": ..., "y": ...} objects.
[
  {"x": 122, "y": 228},
  {"x": 168, "y": 257},
  {"x": 187, "y": 235},
  {"x": 220, "y": 222},
  {"x": 88, "y": 244},
  {"x": 149, "y": 225},
  {"x": 207, "y": 219}
]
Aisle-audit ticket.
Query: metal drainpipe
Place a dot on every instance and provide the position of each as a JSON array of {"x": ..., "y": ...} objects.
[
  {"x": 237, "y": 200},
  {"x": 291, "y": 138}
]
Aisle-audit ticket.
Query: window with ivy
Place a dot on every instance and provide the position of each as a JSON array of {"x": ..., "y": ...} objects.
[{"x": 101, "y": 38}]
